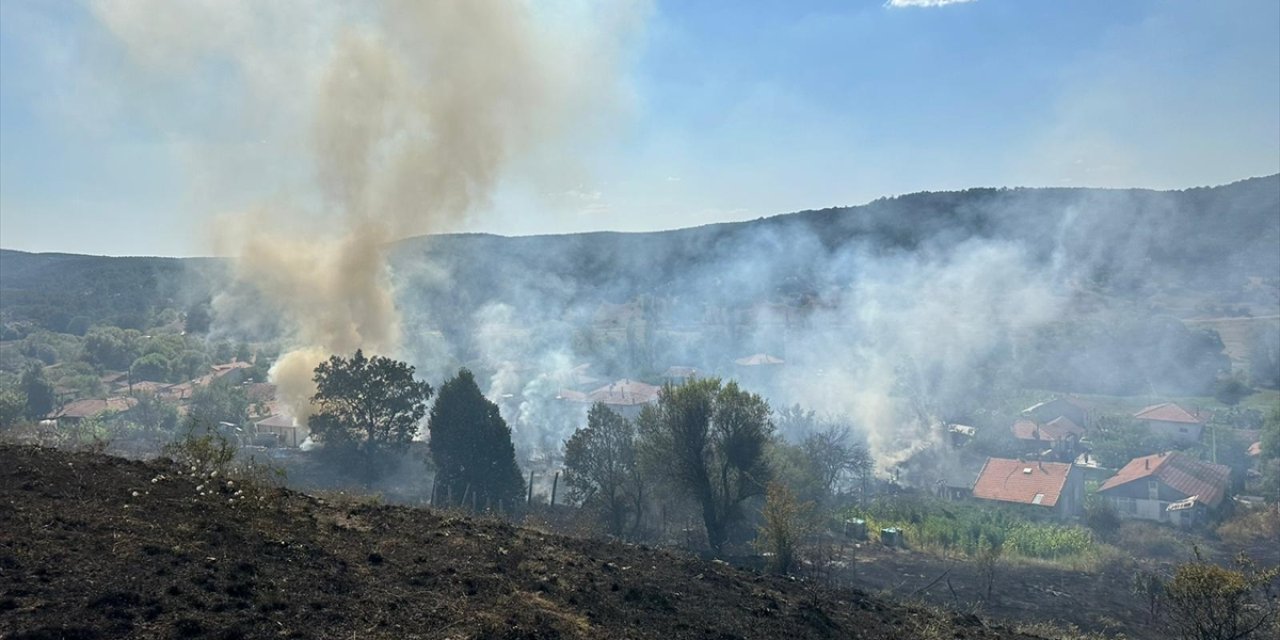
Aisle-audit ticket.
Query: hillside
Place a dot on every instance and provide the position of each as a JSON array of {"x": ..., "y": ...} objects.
[
  {"x": 102, "y": 547},
  {"x": 1131, "y": 242}
]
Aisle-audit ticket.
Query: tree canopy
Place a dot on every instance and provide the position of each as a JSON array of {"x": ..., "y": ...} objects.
[
  {"x": 367, "y": 407},
  {"x": 471, "y": 447},
  {"x": 712, "y": 438},
  {"x": 601, "y": 470}
]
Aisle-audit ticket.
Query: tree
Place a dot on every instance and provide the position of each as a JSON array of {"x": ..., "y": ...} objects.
[
  {"x": 1210, "y": 602},
  {"x": 835, "y": 456},
  {"x": 111, "y": 347},
  {"x": 39, "y": 393},
  {"x": 12, "y": 407},
  {"x": 152, "y": 366},
  {"x": 190, "y": 364},
  {"x": 1231, "y": 390},
  {"x": 199, "y": 317},
  {"x": 471, "y": 446},
  {"x": 711, "y": 439},
  {"x": 366, "y": 408},
  {"x": 785, "y": 520},
  {"x": 601, "y": 470},
  {"x": 218, "y": 402},
  {"x": 153, "y": 414},
  {"x": 1264, "y": 357},
  {"x": 1269, "y": 457}
]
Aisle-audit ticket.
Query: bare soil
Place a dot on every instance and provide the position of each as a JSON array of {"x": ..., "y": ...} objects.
[{"x": 93, "y": 546}]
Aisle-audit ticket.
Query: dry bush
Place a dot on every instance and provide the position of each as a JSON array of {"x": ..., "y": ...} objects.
[
  {"x": 1149, "y": 540},
  {"x": 785, "y": 521},
  {"x": 1252, "y": 527}
]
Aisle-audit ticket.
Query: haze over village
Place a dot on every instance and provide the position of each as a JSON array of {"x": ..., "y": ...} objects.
[{"x": 905, "y": 319}]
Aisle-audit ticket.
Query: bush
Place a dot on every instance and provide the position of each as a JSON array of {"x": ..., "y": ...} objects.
[
  {"x": 785, "y": 520},
  {"x": 1210, "y": 602},
  {"x": 1101, "y": 517}
]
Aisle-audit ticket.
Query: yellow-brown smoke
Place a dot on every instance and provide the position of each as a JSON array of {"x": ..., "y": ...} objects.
[{"x": 415, "y": 112}]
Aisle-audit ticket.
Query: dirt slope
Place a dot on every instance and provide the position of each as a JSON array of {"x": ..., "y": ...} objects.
[{"x": 91, "y": 547}]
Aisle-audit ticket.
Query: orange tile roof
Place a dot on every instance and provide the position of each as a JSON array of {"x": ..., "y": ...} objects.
[
  {"x": 1021, "y": 481},
  {"x": 1168, "y": 412},
  {"x": 91, "y": 407},
  {"x": 1179, "y": 471}
]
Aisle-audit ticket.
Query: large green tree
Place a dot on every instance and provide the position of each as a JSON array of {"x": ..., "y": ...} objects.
[
  {"x": 601, "y": 468},
  {"x": 711, "y": 439},
  {"x": 366, "y": 408},
  {"x": 471, "y": 447},
  {"x": 218, "y": 402},
  {"x": 39, "y": 393}
]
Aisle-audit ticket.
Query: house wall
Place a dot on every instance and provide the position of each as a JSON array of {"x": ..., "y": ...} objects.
[
  {"x": 1179, "y": 432},
  {"x": 1071, "y": 502},
  {"x": 1141, "y": 501}
]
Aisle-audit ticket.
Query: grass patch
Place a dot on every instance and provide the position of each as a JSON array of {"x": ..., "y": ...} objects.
[{"x": 947, "y": 527}]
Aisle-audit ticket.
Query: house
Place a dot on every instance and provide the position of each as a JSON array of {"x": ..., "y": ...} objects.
[
  {"x": 148, "y": 387},
  {"x": 625, "y": 397},
  {"x": 233, "y": 371},
  {"x": 679, "y": 375},
  {"x": 1060, "y": 435},
  {"x": 285, "y": 429},
  {"x": 759, "y": 360},
  {"x": 1063, "y": 406},
  {"x": 944, "y": 472},
  {"x": 1167, "y": 487},
  {"x": 1171, "y": 421},
  {"x": 1056, "y": 488},
  {"x": 91, "y": 408}
]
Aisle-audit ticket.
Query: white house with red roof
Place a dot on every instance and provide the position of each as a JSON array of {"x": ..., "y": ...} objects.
[
  {"x": 1171, "y": 421},
  {"x": 1167, "y": 487}
]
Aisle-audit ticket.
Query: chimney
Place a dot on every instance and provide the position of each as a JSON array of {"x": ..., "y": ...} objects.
[{"x": 1146, "y": 463}]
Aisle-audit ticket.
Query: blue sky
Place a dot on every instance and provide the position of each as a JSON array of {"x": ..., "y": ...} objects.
[{"x": 733, "y": 111}]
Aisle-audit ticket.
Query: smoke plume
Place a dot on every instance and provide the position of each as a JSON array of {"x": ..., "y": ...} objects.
[{"x": 415, "y": 112}]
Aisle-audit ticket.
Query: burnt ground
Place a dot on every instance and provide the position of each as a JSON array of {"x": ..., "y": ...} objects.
[
  {"x": 1094, "y": 601},
  {"x": 98, "y": 547},
  {"x": 1097, "y": 600}
]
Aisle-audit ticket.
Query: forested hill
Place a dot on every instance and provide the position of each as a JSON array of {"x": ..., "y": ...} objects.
[
  {"x": 1124, "y": 242},
  {"x": 1207, "y": 237}
]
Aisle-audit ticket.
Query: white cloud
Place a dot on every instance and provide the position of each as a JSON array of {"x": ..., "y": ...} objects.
[{"x": 898, "y": 4}]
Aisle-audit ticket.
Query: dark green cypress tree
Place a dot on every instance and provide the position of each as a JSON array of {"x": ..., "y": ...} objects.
[{"x": 471, "y": 447}]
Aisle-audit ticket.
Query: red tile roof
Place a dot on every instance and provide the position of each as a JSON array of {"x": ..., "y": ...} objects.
[
  {"x": 1024, "y": 482},
  {"x": 1168, "y": 412},
  {"x": 91, "y": 407},
  {"x": 625, "y": 392},
  {"x": 1179, "y": 471},
  {"x": 1057, "y": 429}
]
